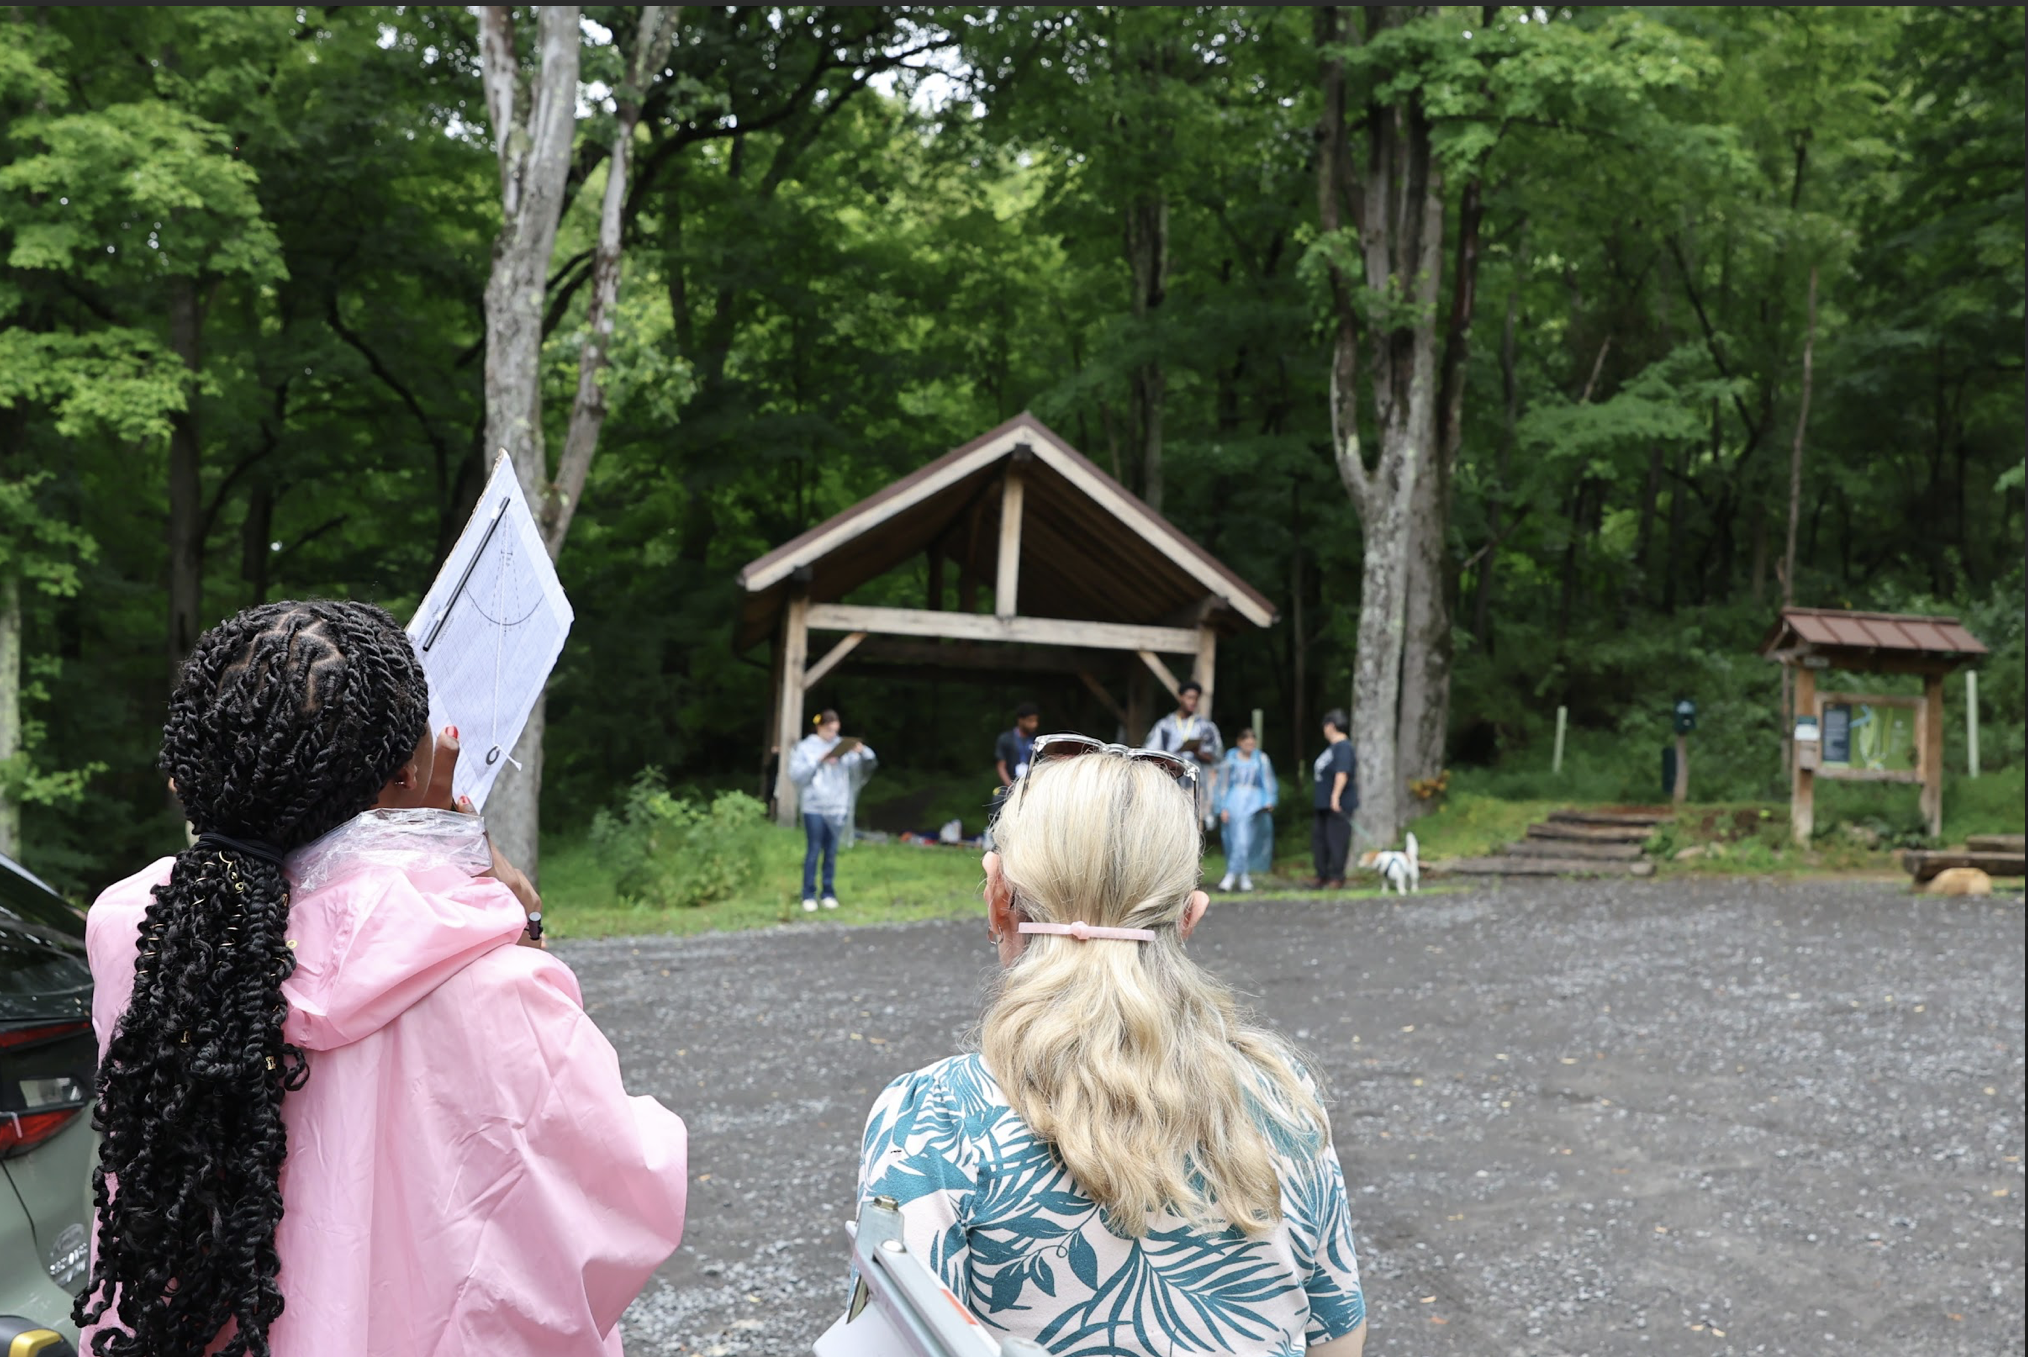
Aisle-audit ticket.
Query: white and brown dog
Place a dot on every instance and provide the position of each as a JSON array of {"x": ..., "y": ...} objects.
[{"x": 1402, "y": 870}]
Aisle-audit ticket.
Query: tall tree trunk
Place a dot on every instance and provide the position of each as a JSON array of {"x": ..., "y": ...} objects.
[
  {"x": 1796, "y": 450},
  {"x": 1426, "y": 658},
  {"x": 1644, "y": 533},
  {"x": 1396, "y": 209},
  {"x": 588, "y": 411},
  {"x": 532, "y": 133},
  {"x": 10, "y": 709},
  {"x": 186, "y": 487},
  {"x": 1147, "y": 232}
]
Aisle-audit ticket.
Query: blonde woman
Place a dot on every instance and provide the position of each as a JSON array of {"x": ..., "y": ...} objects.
[{"x": 1126, "y": 1166}]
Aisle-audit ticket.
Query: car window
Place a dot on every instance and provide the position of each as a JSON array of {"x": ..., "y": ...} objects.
[{"x": 29, "y": 966}]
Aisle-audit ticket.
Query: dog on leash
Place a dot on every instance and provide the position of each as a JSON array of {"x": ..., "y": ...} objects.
[{"x": 1402, "y": 870}]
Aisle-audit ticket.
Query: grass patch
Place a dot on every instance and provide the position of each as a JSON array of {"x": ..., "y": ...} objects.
[
  {"x": 877, "y": 883},
  {"x": 1472, "y": 824}
]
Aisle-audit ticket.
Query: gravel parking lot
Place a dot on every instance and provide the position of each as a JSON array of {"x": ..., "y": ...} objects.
[{"x": 1576, "y": 1117}]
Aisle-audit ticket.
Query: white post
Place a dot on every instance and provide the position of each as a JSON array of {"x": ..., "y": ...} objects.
[
  {"x": 1007, "y": 578},
  {"x": 1257, "y": 726},
  {"x": 1556, "y": 759},
  {"x": 1972, "y": 722}
]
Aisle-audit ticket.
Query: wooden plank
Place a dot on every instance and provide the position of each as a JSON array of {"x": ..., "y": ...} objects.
[
  {"x": 1997, "y": 843},
  {"x": 1923, "y": 864},
  {"x": 1611, "y": 817},
  {"x": 1162, "y": 674},
  {"x": 954, "y": 626},
  {"x": 1007, "y": 583},
  {"x": 1825, "y": 699},
  {"x": 834, "y": 657},
  {"x": 1505, "y": 866},
  {"x": 1571, "y": 848},
  {"x": 1206, "y": 668},
  {"x": 1589, "y": 833},
  {"x": 955, "y": 655},
  {"x": 789, "y": 718},
  {"x": 1870, "y": 774}
]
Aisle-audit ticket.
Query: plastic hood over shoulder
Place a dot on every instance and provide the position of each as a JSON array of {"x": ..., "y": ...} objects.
[{"x": 466, "y": 1172}]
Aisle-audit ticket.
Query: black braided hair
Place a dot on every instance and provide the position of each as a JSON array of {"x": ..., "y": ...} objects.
[{"x": 288, "y": 720}]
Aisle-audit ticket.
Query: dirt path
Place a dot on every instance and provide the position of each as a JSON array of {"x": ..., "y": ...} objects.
[{"x": 1576, "y": 1118}]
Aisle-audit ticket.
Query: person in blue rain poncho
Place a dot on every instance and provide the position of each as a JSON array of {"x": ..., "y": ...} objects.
[
  {"x": 1244, "y": 791},
  {"x": 828, "y": 773}
]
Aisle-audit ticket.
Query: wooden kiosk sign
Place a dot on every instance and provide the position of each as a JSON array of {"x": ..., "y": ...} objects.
[
  {"x": 1862, "y": 737},
  {"x": 1085, "y": 580}
]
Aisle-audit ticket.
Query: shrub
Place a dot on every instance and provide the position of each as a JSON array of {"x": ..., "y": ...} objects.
[{"x": 667, "y": 851}]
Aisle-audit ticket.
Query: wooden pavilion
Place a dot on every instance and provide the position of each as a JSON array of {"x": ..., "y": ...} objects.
[
  {"x": 1086, "y": 580},
  {"x": 1811, "y": 640}
]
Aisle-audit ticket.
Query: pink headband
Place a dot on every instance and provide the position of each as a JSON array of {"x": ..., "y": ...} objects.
[{"x": 1085, "y": 932}]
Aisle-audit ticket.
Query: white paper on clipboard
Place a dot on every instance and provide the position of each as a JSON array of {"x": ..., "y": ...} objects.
[{"x": 489, "y": 631}]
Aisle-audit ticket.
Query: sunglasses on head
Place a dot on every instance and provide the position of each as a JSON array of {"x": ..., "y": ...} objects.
[{"x": 1049, "y": 748}]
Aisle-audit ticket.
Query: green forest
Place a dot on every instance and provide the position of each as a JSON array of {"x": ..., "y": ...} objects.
[{"x": 1710, "y": 309}]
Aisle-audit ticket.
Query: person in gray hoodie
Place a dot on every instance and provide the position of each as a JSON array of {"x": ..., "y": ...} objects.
[{"x": 827, "y": 784}]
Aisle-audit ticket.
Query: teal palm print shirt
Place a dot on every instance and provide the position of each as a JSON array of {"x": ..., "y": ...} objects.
[{"x": 999, "y": 1218}]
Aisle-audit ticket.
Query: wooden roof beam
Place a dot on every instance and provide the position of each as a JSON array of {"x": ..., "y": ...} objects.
[{"x": 957, "y": 626}]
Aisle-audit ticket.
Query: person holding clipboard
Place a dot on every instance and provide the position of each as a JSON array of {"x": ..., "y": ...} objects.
[
  {"x": 1186, "y": 733},
  {"x": 828, "y": 771}
]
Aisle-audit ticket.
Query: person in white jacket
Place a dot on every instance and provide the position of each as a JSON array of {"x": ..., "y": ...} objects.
[{"x": 827, "y": 784}]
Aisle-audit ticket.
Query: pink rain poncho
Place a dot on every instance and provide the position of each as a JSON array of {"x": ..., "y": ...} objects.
[{"x": 466, "y": 1174}]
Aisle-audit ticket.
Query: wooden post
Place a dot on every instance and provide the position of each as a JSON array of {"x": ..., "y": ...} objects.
[
  {"x": 795, "y": 652},
  {"x": 1972, "y": 722},
  {"x": 771, "y": 742},
  {"x": 1802, "y": 781},
  {"x": 1930, "y": 744},
  {"x": 1205, "y": 671},
  {"x": 1007, "y": 584},
  {"x": 1682, "y": 789},
  {"x": 1259, "y": 721},
  {"x": 1556, "y": 757}
]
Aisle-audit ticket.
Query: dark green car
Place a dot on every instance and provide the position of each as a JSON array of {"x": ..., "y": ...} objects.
[{"x": 48, "y": 1060}]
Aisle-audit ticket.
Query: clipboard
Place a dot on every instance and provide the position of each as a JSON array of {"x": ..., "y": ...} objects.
[{"x": 489, "y": 631}]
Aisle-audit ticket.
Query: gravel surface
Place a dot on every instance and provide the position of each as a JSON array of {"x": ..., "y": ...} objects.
[{"x": 1575, "y": 1117}]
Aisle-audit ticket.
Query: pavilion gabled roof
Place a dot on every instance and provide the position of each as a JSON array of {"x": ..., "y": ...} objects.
[{"x": 1090, "y": 550}]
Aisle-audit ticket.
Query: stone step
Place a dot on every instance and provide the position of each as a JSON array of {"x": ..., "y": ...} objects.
[
  {"x": 1646, "y": 816},
  {"x": 1528, "y": 866},
  {"x": 1555, "y": 829},
  {"x": 1572, "y": 848}
]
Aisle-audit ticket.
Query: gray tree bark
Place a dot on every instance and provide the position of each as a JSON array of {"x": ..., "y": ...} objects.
[
  {"x": 1395, "y": 206},
  {"x": 1147, "y": 238},
  {"x": 533, "y": 123},
  {"x": 1427, "y": 651}
]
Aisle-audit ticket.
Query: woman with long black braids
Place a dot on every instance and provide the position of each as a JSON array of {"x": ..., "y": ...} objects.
[{"x": 342, "y": 1113}]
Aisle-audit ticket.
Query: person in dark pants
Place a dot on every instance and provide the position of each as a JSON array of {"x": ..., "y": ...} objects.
[
  {"x": 1337, "y": 796},
  {"x": 1010, "y": 754}
]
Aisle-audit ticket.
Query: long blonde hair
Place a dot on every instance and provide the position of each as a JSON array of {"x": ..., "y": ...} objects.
[{"x": 1129, "y": 1059}]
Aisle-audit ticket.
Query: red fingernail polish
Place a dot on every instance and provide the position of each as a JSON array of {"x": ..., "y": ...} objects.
[{"x": 453, "y": 731}]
